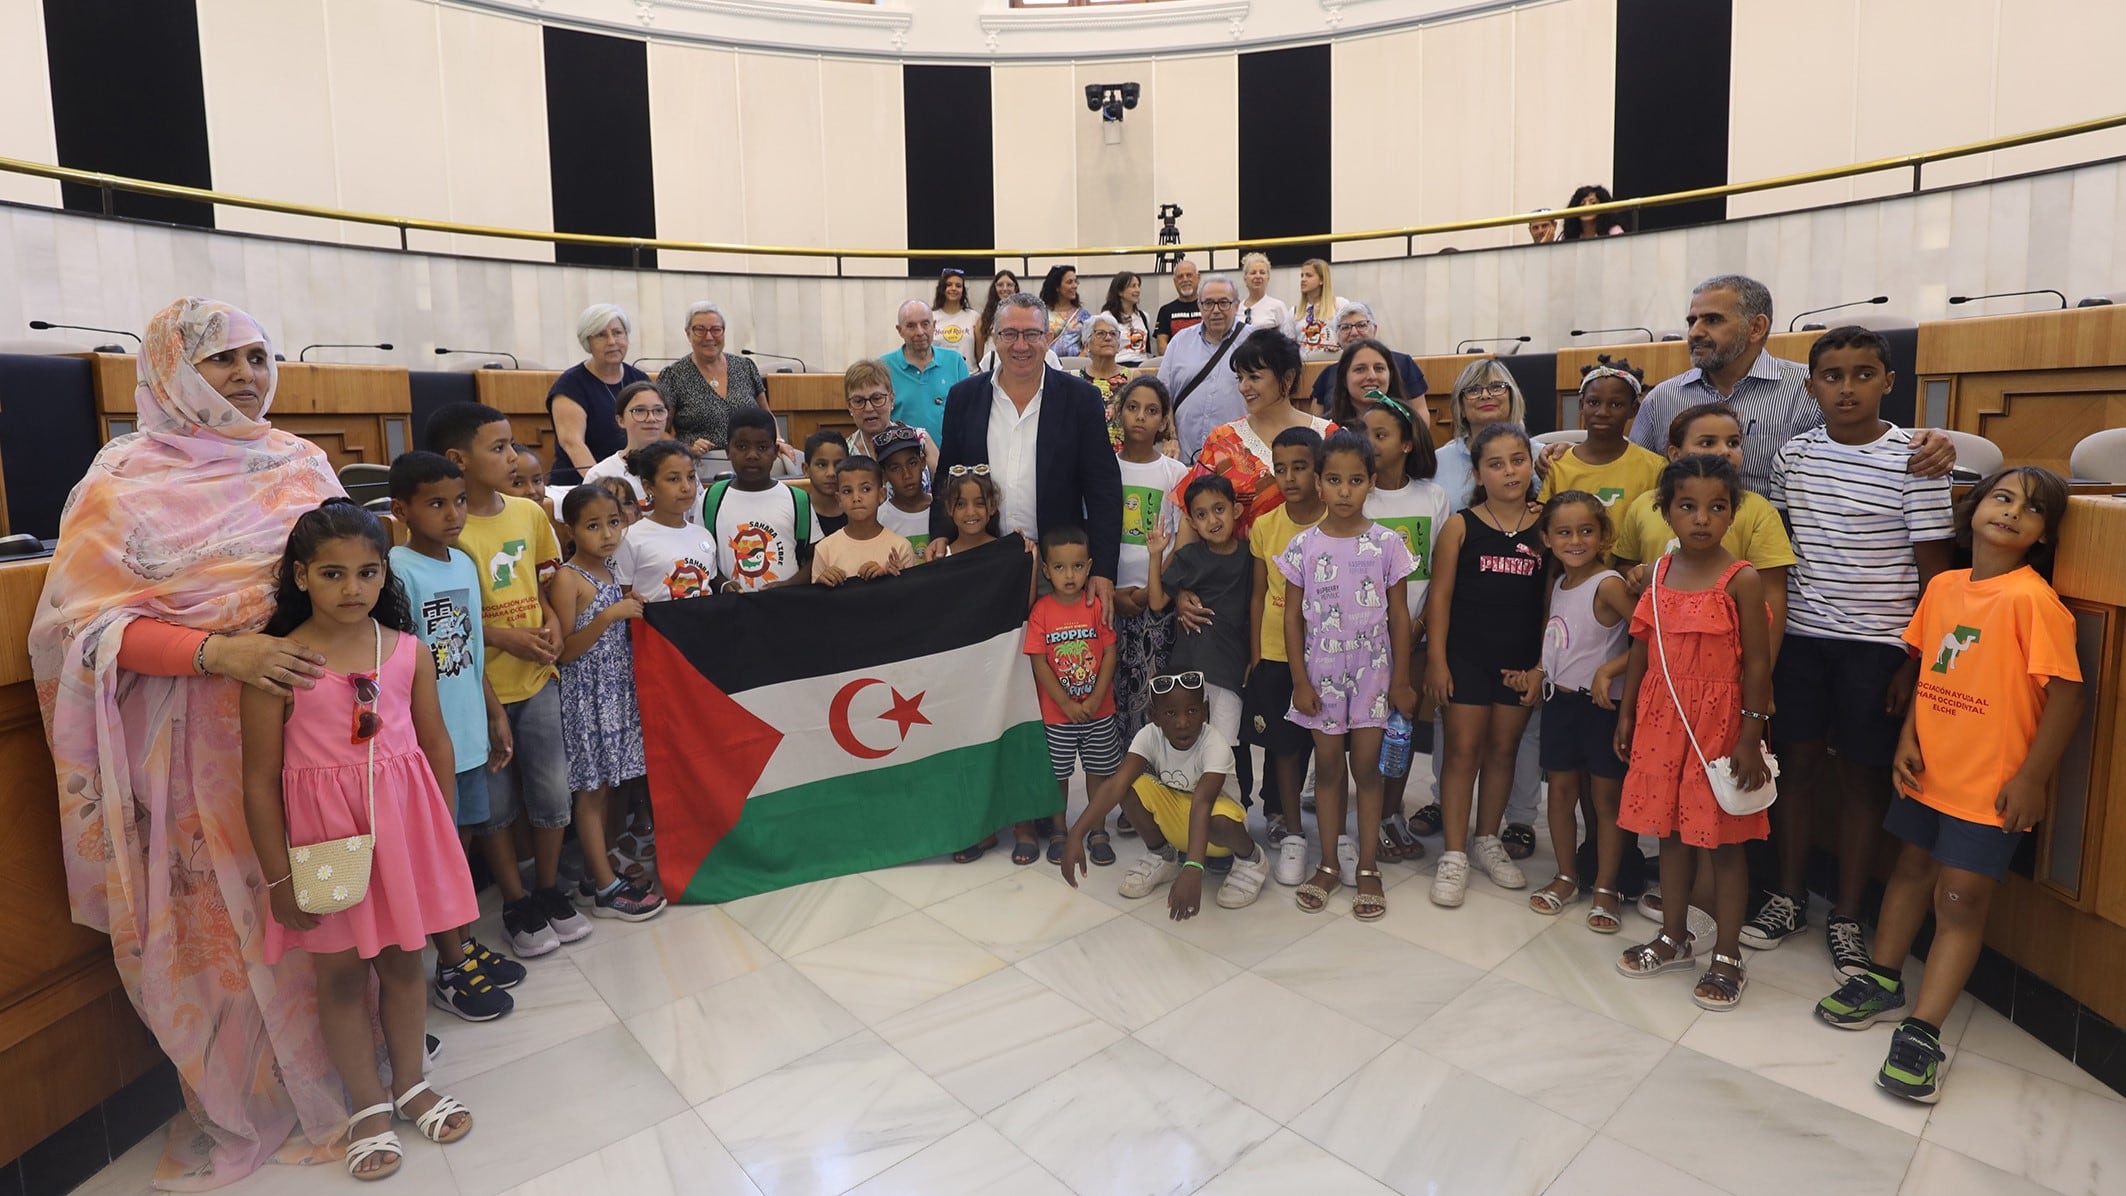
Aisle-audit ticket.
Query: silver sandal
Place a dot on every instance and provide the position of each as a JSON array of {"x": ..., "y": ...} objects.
[
  {"x": 1643, "y": 961},
  {"x": 1730, "y": 987},
  {"x": 1549, "y": 904}
]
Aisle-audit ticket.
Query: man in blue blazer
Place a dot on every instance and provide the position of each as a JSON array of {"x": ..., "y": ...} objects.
[{"x": 1042, "y": 434}]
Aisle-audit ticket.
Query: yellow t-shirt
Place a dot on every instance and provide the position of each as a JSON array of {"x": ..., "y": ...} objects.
[
  {"x": 1267, "y": 539},
  {"x": 1636, "y": 472},
  {"x": 1757, "y": 535},
  {"x": 516, "y": 554},
  {"x": 1986, "y": 650}
]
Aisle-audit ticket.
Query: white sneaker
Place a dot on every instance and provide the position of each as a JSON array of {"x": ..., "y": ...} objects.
[
  {"x": 1244, "y": 883},
  {"x": 1492, "y": 858},
  {"x": 1148, "y": 874},
  {"x": 1347, "y": 861},
  {"x": 1291, "y": 860},
  {"x": 1450, "y": 880}
]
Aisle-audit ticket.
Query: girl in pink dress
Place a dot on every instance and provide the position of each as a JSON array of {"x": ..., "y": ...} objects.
[{"x": 362, "y": 751}]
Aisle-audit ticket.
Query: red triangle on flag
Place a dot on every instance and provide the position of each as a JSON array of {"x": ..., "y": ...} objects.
[{"x": 705, "y": 754}]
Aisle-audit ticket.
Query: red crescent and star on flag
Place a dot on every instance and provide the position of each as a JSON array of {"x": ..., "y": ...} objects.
[{"x": 906, "y": 711}]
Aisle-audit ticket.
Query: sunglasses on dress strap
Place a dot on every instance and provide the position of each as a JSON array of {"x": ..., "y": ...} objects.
[{"x": 366, "y": 722}]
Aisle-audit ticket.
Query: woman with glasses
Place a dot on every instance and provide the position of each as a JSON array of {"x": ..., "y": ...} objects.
[
  {"x": 706, "y": 386},
  {"x": 1103, "y": 369},
  {"x": 867, "y": 387},
  {"x": 955, "y": 320},
  {"x": 1123, "y": 295},
  {"x": 646, "y": 419}
]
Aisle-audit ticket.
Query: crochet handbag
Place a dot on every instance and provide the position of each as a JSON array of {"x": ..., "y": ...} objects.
[
  {"x": 334, "y": 875},
  {"x": 1720, "y": 773}
]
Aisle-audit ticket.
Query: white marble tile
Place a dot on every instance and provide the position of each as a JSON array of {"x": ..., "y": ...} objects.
[
  {"x": 928, "y": 882},
  {"x": 671, "y": 960},
  {"x": 740, "y": 1030},
  {"x": 833, "y": 1119},
  {"x": 1288, "y": 1164},
  {"x": 974, "y": 1160},
  {"x": 1421, "y": 1125},
  {"x": 799, "y": 918},
  {"x": 1126, "y": 973},
  {"x": 1776, "y": 1035},
  {"x": 1564, "y": 1058},
  {"x": 1244, "y": 936},
  {"x": 1607, "y": 1167},
  {"x": 1020, "y": 914},
  {"x": 895, "y": 966},
  {"x": 1988, "y": 1033},
  {"x": 675, "y": 1157},
  {"x": 554, "y": 1004},
  {"x": 1265, "y": 1044},
  {"x": 1791, "y": 1142},
  {"x": 2042, "y": 1130},
  {"x": 991, "y": 1040},
  {"x": 1482, "y": 932},
  {"x": 1129, "y": 1120},
  {"x": 557, "y": 1106},
  {"x": 1939, "y": 1171},
  {"x": 1369, "y": 975},
  {"x": 1569, "y": 961}
]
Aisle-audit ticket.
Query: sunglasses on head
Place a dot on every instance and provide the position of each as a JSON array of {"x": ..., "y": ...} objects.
[
  {"x": 366, "y": 722},
  {"x": 961, "y": 471},
  {"x": 1165, "y": 682}
]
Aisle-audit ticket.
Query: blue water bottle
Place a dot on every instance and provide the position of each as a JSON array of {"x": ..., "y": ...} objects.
[{"x": 1395, "y": 746}]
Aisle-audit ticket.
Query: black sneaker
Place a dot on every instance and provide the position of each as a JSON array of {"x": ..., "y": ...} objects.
[
  {"x": 530, "y": 935},
  {"x": 567, "y": 924},
  {"x": 500, "y": 970},
  {"x": 431, "y": 1050},
  {"x": 1849, "y": 947},
  {"x": 1915, "y": 1066},
  {"x": 1780, "y": 919},
  {"x": 1860, "y": 1002},
  {"x": 466, "y": 991},
  {"x": 629, "y": 903}
]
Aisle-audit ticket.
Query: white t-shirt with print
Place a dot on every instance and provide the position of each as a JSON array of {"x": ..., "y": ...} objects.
[
  {"x": 660, "y": 563},
  {"x": 1416, "y": 512},
  {"x": 956, "y": 332},
  {"x": 1144, "y": 488},
  {"x": 1180, "y": 770},
  {"x": 756, "y": 536},
  {"x": 914, "y": 525}
]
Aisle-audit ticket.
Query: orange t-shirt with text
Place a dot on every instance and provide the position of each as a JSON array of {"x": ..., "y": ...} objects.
[
  {"x": 1075, "y": 643},
  {"x": 1986, "y": 650}
]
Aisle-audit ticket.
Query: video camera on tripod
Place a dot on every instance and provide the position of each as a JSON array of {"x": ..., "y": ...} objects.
[{"x": 1169, "y": 234}]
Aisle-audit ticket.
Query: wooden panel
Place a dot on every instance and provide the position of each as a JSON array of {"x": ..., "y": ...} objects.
[
  {"x": 343, "y": 409},
  {"x": 521, "y": 395},
  {"x": 44, "y": 942},
  {"x": 809, "y": 402},
  {"x": 2076, "y": 338},
  {"x": 2037, "y": 416},
  {"x": 20, "y": 584},
  {"x": 2091, "y": 561}
]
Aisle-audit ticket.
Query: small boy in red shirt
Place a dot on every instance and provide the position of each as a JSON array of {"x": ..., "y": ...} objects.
[{"x": 1073, "y": 652}]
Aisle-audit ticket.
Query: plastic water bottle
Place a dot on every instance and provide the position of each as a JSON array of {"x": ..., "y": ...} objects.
[{"x": 1395, "y": 746}]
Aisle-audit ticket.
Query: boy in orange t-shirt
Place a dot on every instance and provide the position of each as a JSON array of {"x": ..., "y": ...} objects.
[{"x": 2000, "y": 690}]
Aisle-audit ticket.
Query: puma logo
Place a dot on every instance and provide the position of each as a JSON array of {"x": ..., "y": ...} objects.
[{"x": 1953, "y": 646}]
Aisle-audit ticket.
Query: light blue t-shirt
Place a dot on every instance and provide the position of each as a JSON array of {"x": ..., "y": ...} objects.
[
  {"x": 445, "y": 597},
  {"x": 1455, "y": 473}
]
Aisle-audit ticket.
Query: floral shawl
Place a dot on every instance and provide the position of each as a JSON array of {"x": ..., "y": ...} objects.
[
  {"x": 1236, "y": 453},
  {"x": 183, "y": 521}
]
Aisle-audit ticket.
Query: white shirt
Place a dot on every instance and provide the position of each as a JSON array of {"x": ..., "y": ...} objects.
[
  {"x": 1181, "y": 770},
  {"x": 660, "y": 563},
  {"x": 756, "y": 536},
  {"x": 614, "y": 466},
  {"x": 956, "y": 333},
  {"x": 1268, "y": 312},
  {"x": 1012, "y": 438},
  {"x": 1137, "y": 340}
]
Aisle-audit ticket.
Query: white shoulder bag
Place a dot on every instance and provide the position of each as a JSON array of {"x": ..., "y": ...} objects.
[{"x": 1720, "y": 773}]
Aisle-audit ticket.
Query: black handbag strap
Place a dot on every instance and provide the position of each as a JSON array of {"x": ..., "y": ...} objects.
[{"x": 1224, "y": 347}]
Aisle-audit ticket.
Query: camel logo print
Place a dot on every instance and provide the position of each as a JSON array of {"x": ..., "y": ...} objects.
[
  {"x": 502, "y": 566},
  {"x": 1953, "y": 646},
  {"x": 1608, "y": 495}
]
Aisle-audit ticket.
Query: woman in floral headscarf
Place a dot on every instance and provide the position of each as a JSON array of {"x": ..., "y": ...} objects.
[{"x": 148, "y": 627}]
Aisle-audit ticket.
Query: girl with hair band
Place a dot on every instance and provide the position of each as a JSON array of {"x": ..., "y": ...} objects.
[{"x": 1607, "y": 464}]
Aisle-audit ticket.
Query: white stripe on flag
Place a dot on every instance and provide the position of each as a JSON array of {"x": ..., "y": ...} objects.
[{"x": 969, "y": 695}]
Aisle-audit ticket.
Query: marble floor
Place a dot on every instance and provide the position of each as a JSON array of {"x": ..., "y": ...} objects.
[{"x": 937, "y": 1029}]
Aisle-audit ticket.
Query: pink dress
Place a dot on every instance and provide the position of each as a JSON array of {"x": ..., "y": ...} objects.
[
  {"x": 418, "y": 881},
  {"x": 1665, "y": 792}
]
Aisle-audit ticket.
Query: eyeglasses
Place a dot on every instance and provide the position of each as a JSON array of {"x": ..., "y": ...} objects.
[
  {"x": 1496, "y": 390},
  {"x": 699, "y": 331},
  {"x": 366, "y": 723},
  {"x": 646, "y": 412},
  {"x": 961, "y": 471},
  {"x": 1165, "y": 682},
  {"x": 1217, "y": 304},
  {"x": 1357, "y": 328},
  {"x": 1012, "y": 336},
  {"x": 871, "y": 400}
]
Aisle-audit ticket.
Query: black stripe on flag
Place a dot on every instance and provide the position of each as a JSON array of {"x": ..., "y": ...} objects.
[{"x": 745, "y": 641}]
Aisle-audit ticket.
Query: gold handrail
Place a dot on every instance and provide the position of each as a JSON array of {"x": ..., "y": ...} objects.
[{"x": 1913, "y": 162}]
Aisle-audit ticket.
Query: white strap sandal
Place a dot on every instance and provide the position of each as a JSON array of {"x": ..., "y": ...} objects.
[
  {"x": 434, "y": 1124},
  {"x": 360, "y": 1149}
]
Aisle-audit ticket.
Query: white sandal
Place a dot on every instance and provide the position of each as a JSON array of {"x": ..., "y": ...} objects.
[
  {"x": 360, "y": 1149},
  {"x": 433, "y": 1124},
  {"x": 1547, "y": 903}
]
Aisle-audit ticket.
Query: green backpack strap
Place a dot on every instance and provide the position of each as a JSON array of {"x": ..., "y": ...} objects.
[
  {"x": 801, "y": 505},
  {"x": 711, "y": 503}
]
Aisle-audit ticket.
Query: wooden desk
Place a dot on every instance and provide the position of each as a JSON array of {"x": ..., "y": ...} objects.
[
  {"x": 358, "y": 414},
  {"x": 1661, "y": 360},
  {"x": 68, "y": 1034},
  {"x": 2034, "y": 384}
]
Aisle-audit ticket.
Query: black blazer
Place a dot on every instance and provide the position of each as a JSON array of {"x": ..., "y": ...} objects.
[{"x": 1076, "y": 479}]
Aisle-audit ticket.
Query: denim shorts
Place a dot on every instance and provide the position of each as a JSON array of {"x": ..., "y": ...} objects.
[
  {"x": 472, "y": 797},
  {"x": 536, "y": 777},
  {"x": 1953, "y": 842}
]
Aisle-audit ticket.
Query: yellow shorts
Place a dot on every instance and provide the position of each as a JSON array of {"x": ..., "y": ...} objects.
[{"x": 1170, "y": 809}]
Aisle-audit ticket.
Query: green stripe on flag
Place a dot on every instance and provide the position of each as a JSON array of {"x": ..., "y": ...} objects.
[{"x": 881, "y": 817}]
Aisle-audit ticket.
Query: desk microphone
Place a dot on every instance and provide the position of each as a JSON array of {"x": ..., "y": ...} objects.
[
  {"x": 1959, "y": 300},
  {"x": 802, "y": 368},
  {"x": 637, "y": 363},
  {"x": 489, "y": 352},
  {"x": 305, "y": 354},
  {"x": 1591, "y": 331},
  {"x": 47, "y": 326},
  {"x": 1515, "y": 341},
  {"x": 1817, "y": 311}
]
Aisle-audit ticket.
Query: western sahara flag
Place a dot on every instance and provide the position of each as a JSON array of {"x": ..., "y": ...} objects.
[{"x": 809, "y": 732}]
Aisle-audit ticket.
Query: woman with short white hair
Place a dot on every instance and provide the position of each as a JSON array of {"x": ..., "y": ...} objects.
[
  {"x": 1259, "y": 308},
  {"x": 706, "y": 386},
  {"x": 585, "y": 398}
]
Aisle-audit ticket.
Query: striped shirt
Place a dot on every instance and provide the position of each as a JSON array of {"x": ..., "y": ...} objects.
[
  {"x": 1856, "y": 511},
  {"x": 1771, "y": 401}
]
